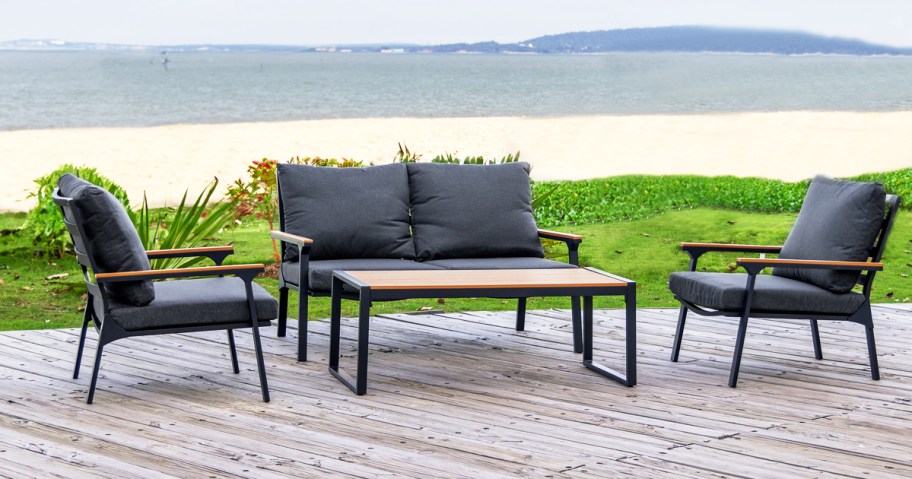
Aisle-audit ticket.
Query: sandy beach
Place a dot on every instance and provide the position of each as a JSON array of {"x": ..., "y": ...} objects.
[{"x": 167, "y": 160}]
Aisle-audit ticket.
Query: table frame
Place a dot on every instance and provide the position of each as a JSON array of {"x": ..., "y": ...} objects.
[{"x": 366, "y": 295}]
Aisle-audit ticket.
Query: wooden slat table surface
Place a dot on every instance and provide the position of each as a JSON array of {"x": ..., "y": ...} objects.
[{"x": 502, "y": 278}]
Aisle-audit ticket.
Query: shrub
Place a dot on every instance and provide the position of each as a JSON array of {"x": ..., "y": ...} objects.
[
  {"x": 258, "y": 196},
  {"x": 404, "y": 155},
  {"x": 44, "y": 223},
  {"x": 636, "y": 196},
  {"x": 183, "y": 227}
]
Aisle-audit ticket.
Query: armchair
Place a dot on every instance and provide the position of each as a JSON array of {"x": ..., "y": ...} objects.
[
  {"x": 122, "y": 301},
  {"x": 837, "y": 242}
]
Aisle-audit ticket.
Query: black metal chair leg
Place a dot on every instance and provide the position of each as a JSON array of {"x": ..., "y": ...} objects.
[
  {"x": 82, "y": 339},
  {"x": 739, "y": 348},
  {"x": 234, "y": 361},
  {"x": 98, "y": 353},
  {"x": 261, "y": 366},
  {"x": 302, "y": 325},
  {"x": 521, "y": 314},
  {"x": 283, "y": 312},
  {"x": 576, "y": 317},
  {"x": 872, "y": 352},
  {"x": 815, "y": 336},
  {"x": 679, "y": 334},
  {"x": 257, "y": 346}
]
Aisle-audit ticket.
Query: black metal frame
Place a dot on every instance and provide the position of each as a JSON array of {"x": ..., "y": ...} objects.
[
  {"x": 571, "y": 241},
  {"x": 98, "y": 304},
  {"x": 366, "y": 296},
  {"x": 861, "y": 316}
]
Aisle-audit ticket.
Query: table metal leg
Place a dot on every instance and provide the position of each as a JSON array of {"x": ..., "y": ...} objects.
[
  {"x": 335, "y": 324},
  {"x": 358, "y": 384},
  {"x": 629, "y": 378}
]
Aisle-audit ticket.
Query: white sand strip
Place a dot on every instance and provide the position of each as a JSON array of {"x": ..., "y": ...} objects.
[{"x": 164, "y": 161}]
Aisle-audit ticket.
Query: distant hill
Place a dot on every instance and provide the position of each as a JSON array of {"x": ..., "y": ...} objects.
[
  {"x": 658, "y": 39},
  {"x": 681, "y": 39}
]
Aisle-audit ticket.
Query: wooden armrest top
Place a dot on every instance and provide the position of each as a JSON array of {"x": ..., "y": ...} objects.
[
  {"x": 191, "y": 251},
  {"x": 813, "y": 262},
  {"x": 166, "y": 273},
  {"x": 558, "y": 234},
  {"x": 290, "y": 238},
  {"x": 733, "y": 247}
]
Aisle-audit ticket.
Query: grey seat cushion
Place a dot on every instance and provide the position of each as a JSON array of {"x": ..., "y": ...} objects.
[
  {"x": 320, "y": 272},
  {"x": 472, "y": 211},
  {"x": 839, "y": 221},
  {"x": 111, "y": 238},
  {"x": 725, "y": 292},
  {"x": 348, "y": 212},
  {"x": 499, "y": 263},
  {"x": 195, "y": 302}
]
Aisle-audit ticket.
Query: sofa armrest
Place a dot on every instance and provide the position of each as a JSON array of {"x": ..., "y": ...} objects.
[
  {"x": 290, "y": 238},
  {"x": 571, "y": 240},
  {"x": 302, "y": 243}
]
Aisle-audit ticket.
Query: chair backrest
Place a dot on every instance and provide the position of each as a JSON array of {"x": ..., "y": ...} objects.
[
  {"x": 104, "y": 238},
  {"x": 80, "y": 247},
  {"x": 839, "y": 221},
  {"x": 892, "y": 206}
]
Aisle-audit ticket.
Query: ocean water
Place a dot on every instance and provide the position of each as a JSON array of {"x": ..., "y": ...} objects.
[{"x": 89, "y": 89}]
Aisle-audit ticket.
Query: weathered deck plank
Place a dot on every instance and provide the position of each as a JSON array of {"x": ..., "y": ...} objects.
[{"x": 461, "y": 395}]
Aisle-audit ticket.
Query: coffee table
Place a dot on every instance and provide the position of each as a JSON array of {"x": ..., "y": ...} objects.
[{"x": 506, "y": 283}]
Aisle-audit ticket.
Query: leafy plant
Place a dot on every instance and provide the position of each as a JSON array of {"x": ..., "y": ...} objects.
[
  {"x": 405, "y": 156},
  {"x": 44, "y": 223},
  {"x": 183, "y": 227}
]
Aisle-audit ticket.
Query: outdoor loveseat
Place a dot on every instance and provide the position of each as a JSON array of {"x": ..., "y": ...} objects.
[{"x": 407, "y": 216}]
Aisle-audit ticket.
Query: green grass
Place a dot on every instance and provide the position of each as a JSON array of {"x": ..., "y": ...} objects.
[{"x": 644, "y": 250}]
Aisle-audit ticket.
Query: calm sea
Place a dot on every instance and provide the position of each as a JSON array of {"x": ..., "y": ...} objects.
[{"x": 85, "y": 89}]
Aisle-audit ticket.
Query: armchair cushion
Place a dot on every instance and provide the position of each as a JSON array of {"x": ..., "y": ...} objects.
[
  {"x": 112, "y": 239},
  {"x": 839, "y": 221},
  {"x": 195, "y": 302},
  {"x": 348, "y": 212},
  {"x": 320, "y": 272},
  {"x": 772, "y": 294},
  {"x": 472, "y": 211}
]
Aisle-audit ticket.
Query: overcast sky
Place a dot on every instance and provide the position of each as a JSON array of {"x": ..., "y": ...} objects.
[{"x": 307, "y": 22}]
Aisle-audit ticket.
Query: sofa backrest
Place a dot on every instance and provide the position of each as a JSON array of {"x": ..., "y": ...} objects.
[
  {"x": 472, "y": 211},
  {"x": 348, "y": 212}
]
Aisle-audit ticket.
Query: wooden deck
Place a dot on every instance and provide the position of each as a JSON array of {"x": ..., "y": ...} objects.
[{"x": 463, "y": 395}]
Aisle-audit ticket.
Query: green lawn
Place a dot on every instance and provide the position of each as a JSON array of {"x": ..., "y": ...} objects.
[{"x": 643, "y": 250}]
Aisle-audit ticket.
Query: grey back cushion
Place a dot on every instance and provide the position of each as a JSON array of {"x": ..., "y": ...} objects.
[
  {"x": 348, "y": 212},
  {"x": 839, "y": 221},
  {"x": 472, "y": 211},
  {"x": 111, "y": 239}
]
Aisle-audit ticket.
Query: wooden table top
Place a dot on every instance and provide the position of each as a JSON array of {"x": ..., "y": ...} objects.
[{"x": 487, "y": 278}]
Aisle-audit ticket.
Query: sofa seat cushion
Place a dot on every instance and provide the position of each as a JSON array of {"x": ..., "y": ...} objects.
[
  {"x": 111, "y": 239},
  {"x": 472, "y": 211},
  {"x": 320, "y": 272},
  {"x": 772, "y": 294},
  {"x": 499, "y": 263},
  {"x": 195, "y": 302},
  {"x": 839, "y": 221},
  {"x": 348, "y": 212}
]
